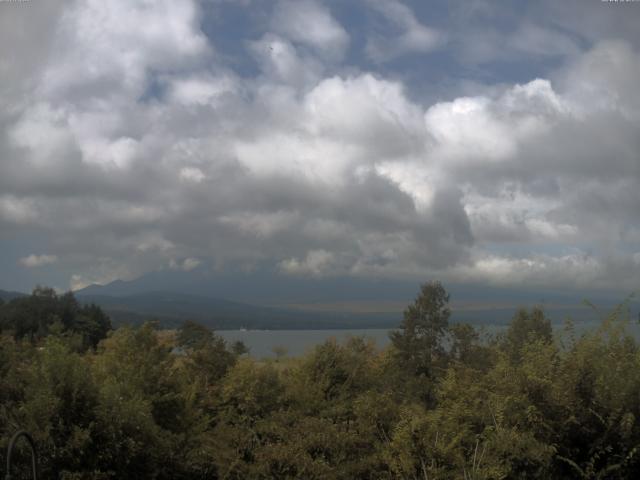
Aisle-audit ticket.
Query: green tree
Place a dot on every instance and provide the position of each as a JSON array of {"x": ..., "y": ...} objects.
[
  {"x": 239, "y": 348},
  {"x": 34, "y": 316},
  {"x": 468, "y": 348},
  {"x": 147, "y": 418},
  {"x": 59, "y": 408},
  {"x": 526, "y": 327},
  {"x": 92, "y": 324},
  {"x": 207, "y": 356},
  {"x": 419, "y": 343},
  {"x": 193, "y": 335}
]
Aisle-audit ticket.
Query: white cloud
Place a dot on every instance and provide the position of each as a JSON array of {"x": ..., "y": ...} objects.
[
  {"x": 140, "y": 147},
  {"x": 282, "y": 62},
  {"x": 112, "y": 45},
  {"x": 512, "y": 215},
  {"x": 200, "y": 90},
  {"x": 534, "y": 39},
  {"x": 310, "y": 23},
  {"x": 190, "y": 263},
  {"x": 192, "y": 174},
  {"x": 100, "y": 271},
  {"x": 364, "y": 109},
  {"x": 316, "y": 264},
  {"x": 413, "y": 36},
  {"x": 34, "y": 261},
  {"x": 154, "y": 242},
  {"x": 86, "y": 99},
  {"x": 466, "y": 127},
  {"x": 185, "y": 265},
  {"x": 339, "y": 125},
  {"x": 261, "y": 225},
  {"x": 117, "y": 153},
  {"x": 17, "y": 210},
  {"x": 25, "y": 43},
  {"x": 492, "y": 129},
  {"x": 525, "y": 41},
  {"x": 605, "y": 79},
  {"x": 413, "y": 179},
  {"x": 44, "y": 131},
  {"x": 571, "y": 270}
]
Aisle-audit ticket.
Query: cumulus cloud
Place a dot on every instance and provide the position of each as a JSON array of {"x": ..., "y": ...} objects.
[
  {"x": 139, "y": 146},
  {"x": 569, "y": 270},
  {"x": 191, "y": 174},
  {"x": 410, "y": 36},
  {"x": 310, "y": 23},
  {"x": 15, "y": 210},
  {"x": 282, "y": 63},
  {"x": 483, "y": 46},
  {"x": 200, "y": 90},
  {"x": 485, "y": 33},
  {"x": 315, "y": 263},
  {"x": 26, "y": 42},
  {"x": 185, "y": 265},
  {"x": 33, "y": 260}
]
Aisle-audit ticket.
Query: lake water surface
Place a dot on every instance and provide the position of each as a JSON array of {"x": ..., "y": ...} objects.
[
  {"x": 262, "y": 343},
  {"x": 297, "y": 342}
]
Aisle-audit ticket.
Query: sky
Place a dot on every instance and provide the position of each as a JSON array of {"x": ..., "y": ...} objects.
[{"x": 476, "y": 142}]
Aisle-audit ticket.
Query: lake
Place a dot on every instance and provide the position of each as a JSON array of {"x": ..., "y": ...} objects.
[{"x": 298, "y": 342}]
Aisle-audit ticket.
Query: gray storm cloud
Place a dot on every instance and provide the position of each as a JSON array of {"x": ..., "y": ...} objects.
[{"x": 135, "y": 145}]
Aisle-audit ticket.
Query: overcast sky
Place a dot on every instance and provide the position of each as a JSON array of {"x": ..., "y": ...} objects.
[{"x": 473, "y": 141}]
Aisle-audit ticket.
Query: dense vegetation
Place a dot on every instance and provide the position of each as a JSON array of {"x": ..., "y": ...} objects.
[
  {"x": 35, "y": 317},
  {"x": 439, "y": 403}
]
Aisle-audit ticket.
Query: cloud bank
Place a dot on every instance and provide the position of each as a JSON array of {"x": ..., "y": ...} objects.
[
  {"x": 33, "y": 260},
  {"x": 138, "y": 144}
]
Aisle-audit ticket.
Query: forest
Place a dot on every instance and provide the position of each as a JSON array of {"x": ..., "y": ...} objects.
[{"x": 443, "y": 401}]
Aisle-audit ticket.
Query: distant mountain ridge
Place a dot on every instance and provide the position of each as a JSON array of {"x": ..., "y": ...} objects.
[
  {"x": 258, "y": 287},
  {"x": 274, "y": 289},
  {"x": 267, "y": 287},
  {"x": 263, "y": 300},
  {"x": 9, "y": 295},
  {"x": 171, "y": 309}
]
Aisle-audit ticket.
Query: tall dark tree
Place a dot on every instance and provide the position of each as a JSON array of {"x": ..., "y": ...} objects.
[
  {"x": 524, "y": 328},
  {"x": 92, "y": 323},
  {"x": 468, "y": 348},
  {"x": 44, "y": 311},
  {"x": 419, "y": 343},
  {"x": 193, "y": 335}
]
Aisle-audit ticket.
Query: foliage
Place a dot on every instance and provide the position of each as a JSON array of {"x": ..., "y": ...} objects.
[
  {"x": 526, "y": 327},
  {"x": 418, "y": 346},
  {"x": 44, "y": 311},
  {"x": 441, "y": 402}
]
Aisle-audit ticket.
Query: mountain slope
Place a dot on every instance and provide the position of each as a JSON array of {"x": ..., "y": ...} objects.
[
  {"x": 173, "y": 308},
  {"x": 7, "y": 295}
]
